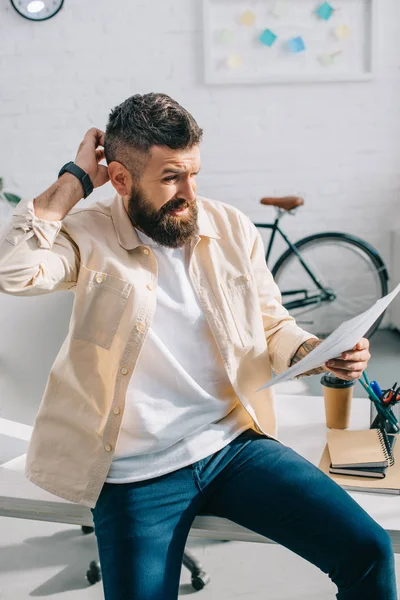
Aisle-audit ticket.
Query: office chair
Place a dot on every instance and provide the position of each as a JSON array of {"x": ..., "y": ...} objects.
[{"x": 199, "y": 577}]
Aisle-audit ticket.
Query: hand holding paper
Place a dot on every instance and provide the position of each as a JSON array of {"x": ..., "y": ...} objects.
[
  {"x": 352, "y": 363},
  {"x": 343, "y": 339}
]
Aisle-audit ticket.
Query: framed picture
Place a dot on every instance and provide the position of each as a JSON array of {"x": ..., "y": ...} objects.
[{"x": 283, "y": 41}]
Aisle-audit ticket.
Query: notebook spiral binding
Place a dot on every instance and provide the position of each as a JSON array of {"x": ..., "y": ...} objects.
[{"x": 384, "y": 441}]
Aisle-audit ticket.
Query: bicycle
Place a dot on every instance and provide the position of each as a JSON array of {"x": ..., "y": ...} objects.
[{"x": 315, "y": 287}]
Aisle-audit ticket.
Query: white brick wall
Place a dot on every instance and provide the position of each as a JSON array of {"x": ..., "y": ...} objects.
[{"x": 336, "y": 144}]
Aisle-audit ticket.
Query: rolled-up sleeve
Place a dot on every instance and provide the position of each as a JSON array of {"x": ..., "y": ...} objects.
[
  {"x": 36, "y": 256},
  {"x": 284, "y": 337}
]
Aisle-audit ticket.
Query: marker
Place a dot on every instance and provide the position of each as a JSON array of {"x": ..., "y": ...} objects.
[{"x": 376, "y": 388}]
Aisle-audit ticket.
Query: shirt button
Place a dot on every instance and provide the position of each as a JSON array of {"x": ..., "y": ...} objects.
[
  {"x": 150, "y": 287},
  {"x": 140, "y": 326},
  {"x": 116, "y": 410},
  {"x": 99, "y": 278},
  {"x": 108, "y": 447},
  {"x": 146, "y": 251},
  {"x": 124, "y": 370},
  {"x": 248, "y": 277}
]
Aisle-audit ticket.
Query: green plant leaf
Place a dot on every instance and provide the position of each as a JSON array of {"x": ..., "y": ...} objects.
[{"x": 13, "y": 198}]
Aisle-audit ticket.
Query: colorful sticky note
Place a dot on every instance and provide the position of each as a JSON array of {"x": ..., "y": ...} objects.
[
  {"x": 327, "y": 60},
  {"x": 268, "y": 37},
  {"x": 342, "y": 32},
  {"x": 296, "y": 45},
  {"x": 234, "y": 61},
  {"x": 225, "y": 36},
  {"x": 248, "y": 18},
  {"x": 325, "y": 11},
  {"x": 281, "y": 9}
]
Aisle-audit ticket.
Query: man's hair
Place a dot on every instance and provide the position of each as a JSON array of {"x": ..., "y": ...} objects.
[{"x": 143, "y": 121}]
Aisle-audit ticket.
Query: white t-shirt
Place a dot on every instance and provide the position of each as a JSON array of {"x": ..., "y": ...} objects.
[{"x": 180, "y": 404}]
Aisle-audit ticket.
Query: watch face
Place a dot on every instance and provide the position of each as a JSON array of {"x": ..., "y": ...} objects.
[{"x": 37, "y": 10}]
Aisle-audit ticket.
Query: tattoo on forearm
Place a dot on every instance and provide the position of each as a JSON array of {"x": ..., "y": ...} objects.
[{"x": 303, "y": 351}]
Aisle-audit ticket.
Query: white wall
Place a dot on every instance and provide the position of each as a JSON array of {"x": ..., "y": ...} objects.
[{"x": 336, "y": 144}]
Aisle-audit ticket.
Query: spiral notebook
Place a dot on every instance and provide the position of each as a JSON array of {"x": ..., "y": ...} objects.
[
  {"x": 387, "y": 485},
  {"x": 359, "y": 448}
]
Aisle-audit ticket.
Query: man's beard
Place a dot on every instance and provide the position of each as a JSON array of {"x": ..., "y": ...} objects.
[{"x": 160, "y": 225}]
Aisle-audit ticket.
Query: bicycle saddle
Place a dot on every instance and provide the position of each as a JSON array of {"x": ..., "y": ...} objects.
[{"x": 285, "y": 202}]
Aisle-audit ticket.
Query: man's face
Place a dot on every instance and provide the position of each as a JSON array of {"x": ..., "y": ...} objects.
[{"x": 163, "y": 202}]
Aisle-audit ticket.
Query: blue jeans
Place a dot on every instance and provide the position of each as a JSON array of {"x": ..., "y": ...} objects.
[{"x": 141, "y": 528}]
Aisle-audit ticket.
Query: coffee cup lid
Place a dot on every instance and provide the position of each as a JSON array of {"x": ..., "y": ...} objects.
[{"x": 331, "y": 381}]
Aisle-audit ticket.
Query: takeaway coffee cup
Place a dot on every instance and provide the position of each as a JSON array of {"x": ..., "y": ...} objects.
[{"x": 338, "y": 394}]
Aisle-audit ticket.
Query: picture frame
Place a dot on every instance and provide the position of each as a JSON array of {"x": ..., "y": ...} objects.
[{"x": 357, "y": 54}]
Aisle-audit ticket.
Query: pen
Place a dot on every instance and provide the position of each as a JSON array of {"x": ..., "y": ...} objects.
[
  {"x": 387, "y": 415},
  {"x": 376, "y": 388},
  {"x": 384, "y": 412},
  {"x": 367, "y": 387}
]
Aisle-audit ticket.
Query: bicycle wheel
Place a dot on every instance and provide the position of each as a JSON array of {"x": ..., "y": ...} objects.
[{"x": 348, "y": 267}]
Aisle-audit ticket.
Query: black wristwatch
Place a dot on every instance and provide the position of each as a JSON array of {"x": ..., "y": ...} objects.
[{"x": 71, "y": 167}]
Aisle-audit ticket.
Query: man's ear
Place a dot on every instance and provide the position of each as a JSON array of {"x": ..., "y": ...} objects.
[{"x": 120, "y": 178}]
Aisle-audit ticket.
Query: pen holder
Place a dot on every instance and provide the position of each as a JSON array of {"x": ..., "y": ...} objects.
[
  {"x": 379, "y": 422},
  {"x": 338, "y": 394}
]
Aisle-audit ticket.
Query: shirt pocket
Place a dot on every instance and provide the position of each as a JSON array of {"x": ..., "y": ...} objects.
[
  {"x": 100, "y": 301},
  {"x": 239, "y": 295}
]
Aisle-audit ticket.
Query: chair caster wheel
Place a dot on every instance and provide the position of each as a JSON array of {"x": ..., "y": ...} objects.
[
  {"x": 94, "y": 573},
  {"x": 200, "y": 581},
  {"x": 86, "y": 529}
]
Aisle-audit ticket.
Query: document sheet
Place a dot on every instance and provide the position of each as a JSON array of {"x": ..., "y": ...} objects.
[{"x": 344, "y": 338}]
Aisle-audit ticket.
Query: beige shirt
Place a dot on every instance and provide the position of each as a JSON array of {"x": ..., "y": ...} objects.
[{"x": 96, "y": 254}]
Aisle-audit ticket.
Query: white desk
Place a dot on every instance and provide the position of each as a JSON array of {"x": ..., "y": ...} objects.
[{"x": 302, "y": 426}]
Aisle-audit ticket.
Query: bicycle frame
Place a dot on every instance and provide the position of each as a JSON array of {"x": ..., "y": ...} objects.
[{"x": 324, "y": 294}]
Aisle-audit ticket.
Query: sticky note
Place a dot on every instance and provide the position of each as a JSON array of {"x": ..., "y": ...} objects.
[
  {"x": 268, "y": 37},
  {"x": 281, "y": 9},
  {"x": 327, "y": 60},
  {"x": 296, "y": 45},
  {"x": 234, "y": 61},
  {"x": 225, "y": 36},
  {"x": 248, "y": 18},
  {"x": 325, "y": 11},
  {"x": 342, "y": 32}
]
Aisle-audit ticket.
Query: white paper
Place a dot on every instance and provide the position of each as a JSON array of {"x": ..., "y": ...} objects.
[
  {"x": 281, "y": 9},
  {"x": 343, "y": 339}
]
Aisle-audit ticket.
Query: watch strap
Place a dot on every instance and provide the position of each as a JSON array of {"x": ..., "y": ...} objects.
[{"x": 71, "y": 167}]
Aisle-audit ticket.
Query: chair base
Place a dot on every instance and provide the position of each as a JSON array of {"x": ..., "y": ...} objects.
[{"x": 199, "y": 578}]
